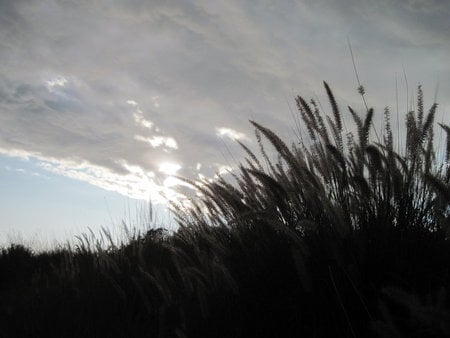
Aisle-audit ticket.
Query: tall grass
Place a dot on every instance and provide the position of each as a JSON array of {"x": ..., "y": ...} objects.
[{"x": 341, "y": 237}]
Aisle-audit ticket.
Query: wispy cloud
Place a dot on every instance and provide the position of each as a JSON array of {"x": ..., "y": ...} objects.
[
  {"x": 139, "y": 115},
  {"x": 157, "y": 141}
]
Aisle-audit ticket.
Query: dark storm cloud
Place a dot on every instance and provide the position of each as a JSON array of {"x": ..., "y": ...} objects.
[{"x": 69, "y": 67}]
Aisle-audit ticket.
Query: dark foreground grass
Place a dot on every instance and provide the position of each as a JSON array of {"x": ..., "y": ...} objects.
[{"x": 339, "y": 238}]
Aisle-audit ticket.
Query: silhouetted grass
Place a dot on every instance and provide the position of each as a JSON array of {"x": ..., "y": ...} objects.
[{"x": 340, "y": 237}]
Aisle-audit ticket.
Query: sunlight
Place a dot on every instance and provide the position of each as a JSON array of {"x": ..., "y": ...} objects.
[
  {"x": 169, "y": 168},
  {"x": 171, "y": 182}
]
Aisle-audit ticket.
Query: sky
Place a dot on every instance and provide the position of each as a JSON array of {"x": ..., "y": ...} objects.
[{"x": 102, "y": 102}]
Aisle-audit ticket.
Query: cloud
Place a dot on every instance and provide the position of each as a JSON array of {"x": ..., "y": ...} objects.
[
  {"x": 136, "y": 183},
  {"x": 139, "y": 116},
  {"x": 157, "y": 141},
  {"x": 103, "y": 84},
  {"x": 231, "y": 133}
]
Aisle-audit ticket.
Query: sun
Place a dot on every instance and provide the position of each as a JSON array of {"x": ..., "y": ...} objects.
[{"x": 169, "y": 168}]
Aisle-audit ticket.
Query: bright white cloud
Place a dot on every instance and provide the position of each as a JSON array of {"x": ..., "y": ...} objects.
[
  {"x": 136, "y": 170},
  {"x": 132, "y": 103},
  {"x": 172, "y": 181},
  {"x": 140, "y": 120},
  {"x": 231, "y": 133},
  {"x": 138, "y": 115},
  {"x": 19, "y": 153},
  {"x": 58, "y": 81},
  {"x": 137, "y": 183},
  {"x": 169, "y": 168},
  {"x": 158, "y": 141}
]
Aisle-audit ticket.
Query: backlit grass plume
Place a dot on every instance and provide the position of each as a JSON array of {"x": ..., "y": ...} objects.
[{"x": 359, "y": 187}]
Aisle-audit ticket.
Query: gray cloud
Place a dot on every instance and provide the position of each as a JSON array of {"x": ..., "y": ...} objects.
[{"x": 69, "y": 67}]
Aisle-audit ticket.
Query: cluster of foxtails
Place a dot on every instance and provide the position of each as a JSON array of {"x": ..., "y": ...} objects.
[{"x": 343, "y": 237}]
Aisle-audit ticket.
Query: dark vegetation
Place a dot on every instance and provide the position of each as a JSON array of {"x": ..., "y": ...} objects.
[{"x": 340, "y": 237}]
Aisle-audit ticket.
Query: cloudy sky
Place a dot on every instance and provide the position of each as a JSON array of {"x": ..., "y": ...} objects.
[{"x": 101, "y": 101}]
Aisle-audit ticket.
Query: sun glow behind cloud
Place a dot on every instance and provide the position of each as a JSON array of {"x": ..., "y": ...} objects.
[
  {"x": 136, "y": 183},
  {"x": 169, "y": 168}
]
